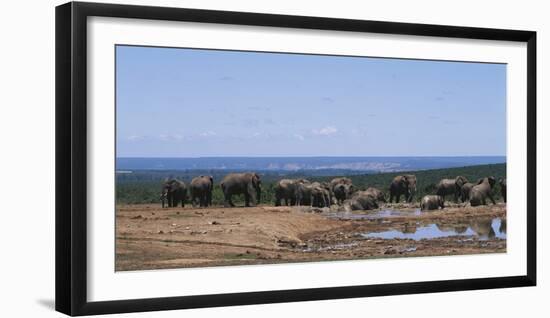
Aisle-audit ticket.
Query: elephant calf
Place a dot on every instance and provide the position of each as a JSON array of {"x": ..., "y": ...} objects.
[
  {"x": 482, "y": 191},
  {"x": 248, "y": 184},
  {"x": 432, "y": 202},
  {"x": 201, "y": 190}
]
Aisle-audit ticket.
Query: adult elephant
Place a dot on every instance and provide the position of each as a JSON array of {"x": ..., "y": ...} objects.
[
  {"x": 174, "y": 191},
  {"x": 465, "y": 191},
  {"x": 482, "y": 191},
  {"x": 502, "y": 182},
  {"x": 286, "y": 190},
  {"x": 403, "y": 185},
  {"x": 342, "y": 189},
  {"x": 200, "y": 189},
  {"x": 248, "y": 184},
  {"x": 377, "y": 193},
  {"x": 450, "y": 186},
  {"x": 361, "y": 200},
  {"x": 320, "y": 195},
  {"x": 432, "y": 202}
]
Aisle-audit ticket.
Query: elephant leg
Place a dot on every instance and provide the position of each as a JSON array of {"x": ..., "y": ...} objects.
[
  {"x": 170, "y": 198},
  {"x": 227, "y": 202},
  {"x": 492, "y": 199},
  {"x": 246, "y": 199},
  {"x": 397, "y": 197}
]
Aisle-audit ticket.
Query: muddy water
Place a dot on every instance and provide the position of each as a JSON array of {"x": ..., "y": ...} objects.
[
  {"x": 369, "y": 215},
  {"x": 482, "y": 229}
]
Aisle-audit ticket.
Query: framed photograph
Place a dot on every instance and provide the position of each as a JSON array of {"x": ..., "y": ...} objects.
[{"x": 213, "y": 158}]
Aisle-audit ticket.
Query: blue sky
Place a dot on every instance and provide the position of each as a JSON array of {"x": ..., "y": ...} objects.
[{"x": 190, "y": 103}]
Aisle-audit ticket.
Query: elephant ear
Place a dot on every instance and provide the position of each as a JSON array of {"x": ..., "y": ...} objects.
[{"x": 256, "y": 179}]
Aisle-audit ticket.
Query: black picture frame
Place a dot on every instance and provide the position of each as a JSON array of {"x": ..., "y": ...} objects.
[{"x": 71, "y": 157}]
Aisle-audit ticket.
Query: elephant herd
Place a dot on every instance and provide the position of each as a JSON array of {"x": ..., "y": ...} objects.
[
  {"x": 175, "y": 192},
  {"x": 317, "y": 194},
  {"x": 324, "y": 194},
  {"x": 474, "y": 193}
]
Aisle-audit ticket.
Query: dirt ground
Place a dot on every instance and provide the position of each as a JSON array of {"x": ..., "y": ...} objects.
[{"x": 149, "y": 237}]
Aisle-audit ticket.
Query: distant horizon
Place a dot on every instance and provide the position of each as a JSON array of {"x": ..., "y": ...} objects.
[{"x": 363, "y": 163}]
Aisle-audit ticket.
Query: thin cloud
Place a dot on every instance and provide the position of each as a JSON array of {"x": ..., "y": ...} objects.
[
  {"x": 226, "y": 78},
  {"x": 325, "y": 131},
  {"x": 208, "y": 134},
  {"x": 135, "y": 138},
  {"x": 171, "y": 137},
  {"x": 299, "y": 137}
]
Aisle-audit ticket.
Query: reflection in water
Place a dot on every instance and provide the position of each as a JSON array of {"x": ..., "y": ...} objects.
[
  {"x": 483, "y": 229},
  {"x": 502, "y": 227},
  {"x": 369, "y": 215}
]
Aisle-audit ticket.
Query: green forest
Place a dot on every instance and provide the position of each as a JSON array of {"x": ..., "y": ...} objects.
[{"x": 144, "y": 186}]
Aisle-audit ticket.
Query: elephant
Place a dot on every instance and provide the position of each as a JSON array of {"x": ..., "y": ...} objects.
[
  {"x": 465, "y": 191},
  {"x": 450, "y": 186},
  {"x": 481, "y": 191},
  {"x": 313, "y": 194},
  {"x": 286, "y": 189},
  {"x": 342, "y": 189},
  {"x": 378, "y": 194},
  {"x": 403, "y": 185},
  {"x": 247, "y": 183},
  {"x": 362, "y": 200},
  {"x": 200, "y": 190},
  {"x": 320, "y": 195},
  {"x": 502, "y": 182},
  {"x": 174, "y": 191},
  {"x": 432, "y": 202}
]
